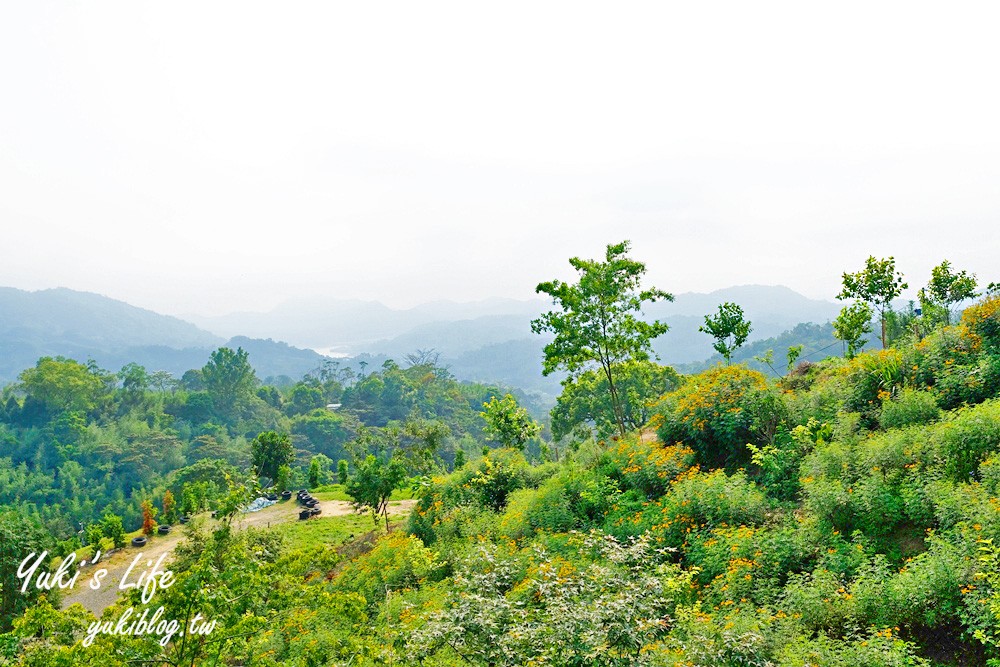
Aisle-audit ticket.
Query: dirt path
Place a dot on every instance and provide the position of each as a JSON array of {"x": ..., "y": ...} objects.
[{"x": 118, "y": 562}]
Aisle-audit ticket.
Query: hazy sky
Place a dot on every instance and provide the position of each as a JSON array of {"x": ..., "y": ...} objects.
[{"x": 211, "y": 156}]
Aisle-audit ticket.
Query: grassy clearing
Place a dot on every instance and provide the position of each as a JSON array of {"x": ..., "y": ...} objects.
[
  {"x": 336, "y": 492},
  {"x": 332, "y": 530}
]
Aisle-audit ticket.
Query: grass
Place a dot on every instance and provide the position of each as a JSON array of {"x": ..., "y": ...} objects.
[
  {"x": 336, "y": 492},
  {"x": 332, "y": 530}
]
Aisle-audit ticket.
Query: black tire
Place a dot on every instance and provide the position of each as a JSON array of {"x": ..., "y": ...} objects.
[
  {"x": 163, "y": 530},
  {"x": 139, "y": 541}
]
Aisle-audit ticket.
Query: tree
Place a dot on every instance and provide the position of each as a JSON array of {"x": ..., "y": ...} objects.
[
  {"x": 877, "y": 285},
  {"x": 169, "y": 504},
  {"x": 148, "y": 517},
  {"x": 342, "y": 471},
  {"x": 794, "y": 352},
  {"x": 20, "y": 536},
  {"x": 162, "y": 381},
  {"x": 61, "y": 384},
  {"x": 135, "y": 381},
  {"x": 597, "y": 324},
  {"x": 319, "y": 470},
  {"x": 373, "y": 482},
  {"x": 586, "y": 399},
  {"x": 728, "y": 327},
  {"x": 269, "y": 451},
  {"x": 229, "y": 378},
  {"x": 113, "y": 528},
  {"x": 946, "y": 288},
  {"x": 852, "y": 325},
  {"x": 508, "y": 423}
]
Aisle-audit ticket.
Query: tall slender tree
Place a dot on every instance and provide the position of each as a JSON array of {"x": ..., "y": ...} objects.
[
  {"x": 877, "y": 285},
  {"x": 598, "y": 323},
  {"x": 729, "y": 327}
]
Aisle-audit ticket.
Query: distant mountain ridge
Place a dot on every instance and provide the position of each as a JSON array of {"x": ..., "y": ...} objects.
[
  {"x": 83, "y": 325},
  {"x": 352, "y": 324},
  {"x": 488, "y": 340}
]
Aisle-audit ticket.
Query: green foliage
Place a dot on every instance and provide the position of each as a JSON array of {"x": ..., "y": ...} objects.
[
  {"x": 229, "y": 379},
  {"x": 112, "y": 527},
  {"x": 283, "y": 482},
  {"x": 397, "y": 561},
  {"x": 586, "y": 399},
  {"x": 597, "y": 323},
  {"x": 319, "y": 470},
  {"x": 327, "y": 432},
  {"x": 877, "y": 285},
  {"x": 853, "y": 326},
  {"x": 373, "y": 482},
  {"x": 717, "y": 412},
  {"x": 607, "y": 600},
  {"x": 63, "y": 385},
  {"x": 728, "y": 327},
  {"x": 909, "y": 407},
  {"x": 645, "y": 466},
  {"x": 20, "y": 537},
  {"x": 342, "y": 471},
  {"x": 947, "y": 288},
  {"x": 507, "y": 423},
  {"x": 269, "y": 451}
]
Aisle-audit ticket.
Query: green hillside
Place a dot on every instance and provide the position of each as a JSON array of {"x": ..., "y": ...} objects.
[{"x": 843, "y": 512}]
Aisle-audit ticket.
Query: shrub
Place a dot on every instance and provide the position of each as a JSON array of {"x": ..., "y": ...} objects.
[
  {"x": 981, "y": 323},
  {"x": 717, "y": 412},
  {"x": 397, "y": 562},
  {"x": 696, "y": 500},
  {"x": 924, "y": 593},
  {"x": 647, "y": 467},
  {"x": 909, "y": 407},
  {"x": 967, "y": 439}
]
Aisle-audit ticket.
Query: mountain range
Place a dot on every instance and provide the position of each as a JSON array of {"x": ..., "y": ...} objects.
[{"x": 488, "y": 340}]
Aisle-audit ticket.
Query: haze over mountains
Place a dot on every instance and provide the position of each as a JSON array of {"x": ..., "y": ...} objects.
[{"x": 488, "y": 340}]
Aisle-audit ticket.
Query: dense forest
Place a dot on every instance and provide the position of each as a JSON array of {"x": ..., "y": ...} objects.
[{"x": 837, "y": 510}]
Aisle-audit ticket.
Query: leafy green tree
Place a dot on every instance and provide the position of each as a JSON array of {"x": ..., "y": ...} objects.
[
  {"x": 162, "y": 381},
  {"x": 586, "y": 399},
  {"x": 135, "y": 381},
  {"x": 304, "y": 398},
  {"x": 92, "y": 534},
  {"x": 794, "y": 352},
  {"x": 113, "y": 528},
  {"x": 342, "y": 472},
  {"x": 269, "y": 451},
  {"x": 284, "y": 480},
  {"x": 229, "y": 378},
  {"x": 319, "y": 470},
  {"x": 508, "y": 423},
  {"x": 853, "y": 325},
  {"x": 327, "y": 431},
  {"x": 876, "y": 285},
  {"x": 372, "y": 484},
  {"x": 597, "y": 322},
  {"x": 459, "y": 459},
  {"x": 61, "y": 384},
  {"x": 20, "y": 536},
  {"x": 728, "y": 327},
  {"x": 948, "y": 288}
]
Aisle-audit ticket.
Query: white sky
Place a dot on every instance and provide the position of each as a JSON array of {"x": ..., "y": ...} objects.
[{"x": 213, "y": 156}]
